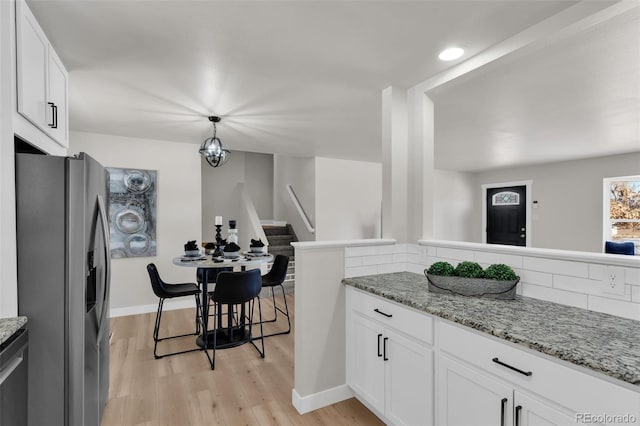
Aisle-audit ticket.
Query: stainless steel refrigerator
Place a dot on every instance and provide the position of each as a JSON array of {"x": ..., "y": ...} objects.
[{"x": 63, "y": 286}]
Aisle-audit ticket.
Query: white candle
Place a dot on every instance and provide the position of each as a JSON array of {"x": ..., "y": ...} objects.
[{"x": 218, "y": 220}]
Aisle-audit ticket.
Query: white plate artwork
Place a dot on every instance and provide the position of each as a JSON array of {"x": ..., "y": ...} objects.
[
  {"x": 132, "y": 212},
  {"x": 129, "y": 220}
]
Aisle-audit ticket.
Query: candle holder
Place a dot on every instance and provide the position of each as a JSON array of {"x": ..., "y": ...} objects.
[
  {"x": 218, "y": 233},
  {"x": 218, "y": 252}
]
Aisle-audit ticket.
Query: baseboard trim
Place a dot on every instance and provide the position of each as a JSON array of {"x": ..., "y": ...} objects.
[
  {"x": 305, "y": 404},
  {"x": 169, "y": 305}
]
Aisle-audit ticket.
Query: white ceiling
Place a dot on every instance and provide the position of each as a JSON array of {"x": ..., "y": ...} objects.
[
  {"x": 576, "y": 98},
  {"x": 296, "y": 77}
]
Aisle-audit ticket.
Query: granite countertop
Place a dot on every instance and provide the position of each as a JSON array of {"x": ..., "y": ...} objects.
[
  {"x": 8, "y": 326},
  {"x": 600, "y": 342}
]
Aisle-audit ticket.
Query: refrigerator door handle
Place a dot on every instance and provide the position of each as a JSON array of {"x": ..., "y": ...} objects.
[{"x": 107, "y": 264}]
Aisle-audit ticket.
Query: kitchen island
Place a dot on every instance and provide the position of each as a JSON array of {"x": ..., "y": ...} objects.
[
  {"x": 415, "y": 357},
  {"x": 604, "y": 343}
]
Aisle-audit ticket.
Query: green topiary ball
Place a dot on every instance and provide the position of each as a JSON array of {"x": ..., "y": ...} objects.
[
  {"x": 469, "y": 270},
  {"x": 444, "y": 269},
  {"x": 500, "y": 272}
]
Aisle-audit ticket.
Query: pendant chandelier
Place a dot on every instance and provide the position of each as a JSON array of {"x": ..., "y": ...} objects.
[{"x": 212, "y": 149}]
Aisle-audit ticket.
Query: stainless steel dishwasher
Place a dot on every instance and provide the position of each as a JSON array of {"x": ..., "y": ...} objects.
[{"x": 13, "y": 379}]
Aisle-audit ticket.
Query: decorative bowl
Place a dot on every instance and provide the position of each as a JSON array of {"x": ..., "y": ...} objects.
[
  {"x": 262, "y": 249},
  {"x": 192, "y": 253},
  {"x": 231, "y": 254}
]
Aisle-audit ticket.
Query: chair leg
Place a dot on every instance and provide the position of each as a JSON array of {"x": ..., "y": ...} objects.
[
  {"x": 157, "y": 338},
  {"x": 286, "y": 314},
  {"x": 198, "y": 313},
  {"x": 156, "y": 328},
  {"x": 217, "y": 310},
  {"x": 260, "y": 322}
]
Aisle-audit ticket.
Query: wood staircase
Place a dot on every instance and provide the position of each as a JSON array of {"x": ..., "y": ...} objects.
[{"x": 280, "y": 239}]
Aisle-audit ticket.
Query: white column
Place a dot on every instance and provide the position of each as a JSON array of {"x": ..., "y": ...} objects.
[
  {"x": 421, "y": 165},
  {"x": 407, "y": 164},
  {"x": 394, "y": 164}
]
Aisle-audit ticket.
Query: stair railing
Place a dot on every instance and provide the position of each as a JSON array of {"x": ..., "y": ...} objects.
[
  {"x": 249, "y": 216},
  {"x": 300, "y": 209}
]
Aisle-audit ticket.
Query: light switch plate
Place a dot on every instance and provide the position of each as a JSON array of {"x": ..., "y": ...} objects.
[{"x": 613, "y": 280}]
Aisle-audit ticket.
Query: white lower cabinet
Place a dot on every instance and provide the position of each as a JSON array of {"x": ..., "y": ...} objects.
[
  {"x": 389, "y": 371},
  {"x": 467, "y": 397},
  {"x": 412, "y": 368},
  {"x": 529, "y": 411},
  {"x": 408, "y": 380},
  {"x": 366, "y": 364}
]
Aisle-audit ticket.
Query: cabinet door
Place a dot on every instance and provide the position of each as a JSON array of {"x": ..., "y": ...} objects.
[
  {"x": 58, "y": 97},
  {"x": 532, "y": 412},
  {"x": 465, "y": 396},
  {"x": 409, "y": 381},
  {"x": 367, "y": 367},
  {"x": 32, "y": 46}
]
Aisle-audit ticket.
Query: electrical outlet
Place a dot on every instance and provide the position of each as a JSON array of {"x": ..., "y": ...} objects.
[{"x": 613, "y": 280}]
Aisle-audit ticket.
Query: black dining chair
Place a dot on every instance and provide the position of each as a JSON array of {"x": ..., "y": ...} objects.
[
  {"x": 169, "y": 291},
  {"x": 275, "y": 277},
  {"x": 237, "y": 289}
]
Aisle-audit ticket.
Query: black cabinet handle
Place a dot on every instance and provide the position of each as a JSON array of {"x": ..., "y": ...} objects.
[
  {"x": 53, "y": 116},
  {"x": 503, "y": 409},
  {"x": 526, "y": 373},
  {"x": 376, "y": 310},
  {"x": 379, "y": 336},
  {"x": 518, "y": 410},
  {"x": 384, "y": 349}
]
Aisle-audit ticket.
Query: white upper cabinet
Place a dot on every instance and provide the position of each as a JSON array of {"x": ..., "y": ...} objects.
[
  {"x": 58, "y": 98},
  {"x": 41, "y": 78}
]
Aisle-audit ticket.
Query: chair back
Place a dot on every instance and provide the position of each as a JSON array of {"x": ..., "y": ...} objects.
[
  {"x": 278, "y": 272},
  {"x": 627, "y": 247},
  {"x": 237, "y": 287},
  {"x": 157, "y": 284}
]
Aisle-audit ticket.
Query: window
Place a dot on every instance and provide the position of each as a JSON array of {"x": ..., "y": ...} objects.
[
  {"x": 622, "y": 209},
  {"x": 506, "y": 198}
]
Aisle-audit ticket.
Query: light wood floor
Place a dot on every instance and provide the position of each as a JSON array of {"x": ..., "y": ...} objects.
[{"x": 244, "y": 389}]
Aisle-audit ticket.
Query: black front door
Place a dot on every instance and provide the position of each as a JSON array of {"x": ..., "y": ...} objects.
[{"x": 507, "y": 215}]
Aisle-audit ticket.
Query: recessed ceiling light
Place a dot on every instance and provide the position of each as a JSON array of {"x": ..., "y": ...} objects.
[{"x": 451, "y": 53}]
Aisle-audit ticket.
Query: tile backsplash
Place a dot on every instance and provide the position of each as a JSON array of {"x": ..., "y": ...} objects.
[{"x": 569, "y": 282}]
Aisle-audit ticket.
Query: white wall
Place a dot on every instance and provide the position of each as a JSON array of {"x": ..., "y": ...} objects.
[
  {"x": 178, "y": 208},
  {"x": 220, "y": 196},
  {"x": 348, "y": 199},
  {"x": 569, "y": 195},
  {"x": 258, "y": 173},
  {"x": 299, "y": 172},
  {"x": 453, "y": 207}
]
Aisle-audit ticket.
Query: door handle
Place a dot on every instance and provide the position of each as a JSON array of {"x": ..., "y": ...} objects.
[
  {"x": 55, "y": 117},
  {"x": 376, "y": 310},
  {"x": 107, "y": 264},
  {"x": 53, "y": 123},
  {"x": 379, "y": 336},
  {"x": 503, "y": 409},
  {"x": 497, "y": 361},
  {"x": 518, "y": 410},
  {"x": 384, "y": 349}
]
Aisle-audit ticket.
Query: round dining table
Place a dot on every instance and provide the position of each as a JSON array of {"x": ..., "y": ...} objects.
[{"x": 209, "y": 265}]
